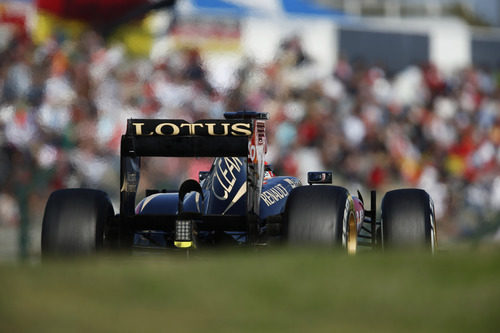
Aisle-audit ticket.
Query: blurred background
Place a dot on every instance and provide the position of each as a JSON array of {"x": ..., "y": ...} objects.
[{"x": 385, "y": 93}]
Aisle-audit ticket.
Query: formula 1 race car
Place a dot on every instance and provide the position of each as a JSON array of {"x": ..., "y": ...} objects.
[{"x": 239, "y": 201}]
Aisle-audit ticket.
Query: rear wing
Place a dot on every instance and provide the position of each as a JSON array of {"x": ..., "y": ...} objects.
[
  {"x": 241, "y": 135},
  {"x": 179, "y": 138}
]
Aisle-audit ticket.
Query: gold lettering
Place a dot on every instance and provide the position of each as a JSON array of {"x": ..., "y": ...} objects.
[
  {"x": 211, "y": 130},
  {"x": 192, "y": 127},
  {"x": 138, "y": 129},
  {"x": 175, "y": 129},
  {"x": 237, "y": 130}
]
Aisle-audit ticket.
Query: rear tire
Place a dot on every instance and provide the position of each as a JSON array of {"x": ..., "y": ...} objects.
[
  {"x": 408, "y": 219},
  {"x": 321, "y": 215},
  {"x": 74, "y": 222}
]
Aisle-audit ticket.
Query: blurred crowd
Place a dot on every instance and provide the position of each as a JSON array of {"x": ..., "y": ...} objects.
[{"x": 64, "y": 105}]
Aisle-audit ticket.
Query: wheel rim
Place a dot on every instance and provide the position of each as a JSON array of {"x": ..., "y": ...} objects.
[{"x": 352, "y": 237}]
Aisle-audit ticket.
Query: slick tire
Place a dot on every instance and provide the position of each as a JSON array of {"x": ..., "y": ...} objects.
[
  {"x": 408, "y": 220},
  {"x": 320, "y": 216},
  {"x": 74, "y": 222}
]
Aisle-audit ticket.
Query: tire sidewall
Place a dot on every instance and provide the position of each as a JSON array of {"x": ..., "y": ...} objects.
[
  {"x": 75, "y": 221},
  {"x": 318, "y": 215},
  {"x": 408, "y": 219}
]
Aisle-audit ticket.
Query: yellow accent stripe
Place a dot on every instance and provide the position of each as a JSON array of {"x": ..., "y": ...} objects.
[
  {"x": 183, "y": 245},
  {"x": 148, "y": 200},
  {"x": 237, "y": 197}
]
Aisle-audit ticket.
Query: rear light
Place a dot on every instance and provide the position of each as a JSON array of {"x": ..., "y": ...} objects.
[{"x": 183, "y": 233}]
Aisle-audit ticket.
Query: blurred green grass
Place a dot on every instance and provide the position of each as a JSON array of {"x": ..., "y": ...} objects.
[{"x": 279, "y": 290}]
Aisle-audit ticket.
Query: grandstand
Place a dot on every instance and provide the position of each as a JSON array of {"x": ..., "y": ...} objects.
[{"x": 383, "y": 102}]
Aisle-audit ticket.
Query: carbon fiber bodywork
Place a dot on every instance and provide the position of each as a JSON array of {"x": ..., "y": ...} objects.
[
  {"x": 235, "y": 200},
  {"x": 221, "y": 212}
]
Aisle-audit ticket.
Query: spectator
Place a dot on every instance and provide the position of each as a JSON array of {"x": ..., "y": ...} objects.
[{"x": 64, "y": 105}]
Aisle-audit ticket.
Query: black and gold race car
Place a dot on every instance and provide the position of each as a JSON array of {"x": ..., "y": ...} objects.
[{"x": 239, "y": 201}]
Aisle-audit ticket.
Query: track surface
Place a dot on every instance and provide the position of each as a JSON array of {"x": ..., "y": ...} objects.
[{"x": 247, "y": 291}]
